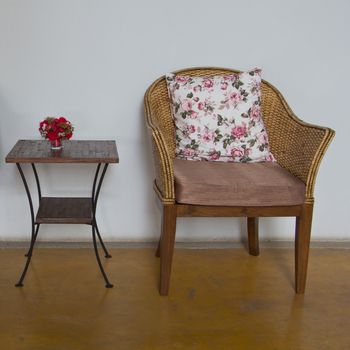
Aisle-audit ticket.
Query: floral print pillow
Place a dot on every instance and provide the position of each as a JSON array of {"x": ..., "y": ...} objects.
[{"x": 219, "y": 118}]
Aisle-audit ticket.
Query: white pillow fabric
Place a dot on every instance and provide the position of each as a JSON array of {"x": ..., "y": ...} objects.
[{"x": 219, "y": 118}]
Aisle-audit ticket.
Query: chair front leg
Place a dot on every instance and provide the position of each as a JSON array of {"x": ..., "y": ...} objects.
[
  {"x": 253, "y": 236},
  {"x": 167, "y": 246},
  {"x": 302, "y": 243},
  {"x": 157, "y": 254}
]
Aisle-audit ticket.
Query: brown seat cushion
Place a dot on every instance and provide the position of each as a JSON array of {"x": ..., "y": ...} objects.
[{"x": 236, "y": 184}]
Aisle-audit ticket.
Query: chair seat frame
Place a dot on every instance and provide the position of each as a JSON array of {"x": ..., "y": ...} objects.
[{"x": 170, "y": 213}]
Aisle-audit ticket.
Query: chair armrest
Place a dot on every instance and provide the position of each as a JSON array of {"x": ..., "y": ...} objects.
[
  {"x": 164, "y": 182},
  {"x": 298, "y": 146}
]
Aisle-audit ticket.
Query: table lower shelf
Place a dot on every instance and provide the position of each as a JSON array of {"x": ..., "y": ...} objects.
[{"x": 65, "y": 210}]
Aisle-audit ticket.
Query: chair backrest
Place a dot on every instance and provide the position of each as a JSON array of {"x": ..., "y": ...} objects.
[{"x": 158, "y": 101}]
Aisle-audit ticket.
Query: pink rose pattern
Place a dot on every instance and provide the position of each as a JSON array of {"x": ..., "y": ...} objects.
[{"x": 219, "y": 118}]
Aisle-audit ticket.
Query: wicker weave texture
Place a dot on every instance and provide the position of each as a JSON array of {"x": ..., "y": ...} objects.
[{"x": 297, "y": 146}]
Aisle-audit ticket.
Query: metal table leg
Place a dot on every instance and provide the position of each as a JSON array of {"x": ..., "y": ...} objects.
[
  {"x": 35, "y": 231},
  {"x": 95, "y": 194},
  {"x": 94, "y": 203},
  {"x": 39, "y": 196}
]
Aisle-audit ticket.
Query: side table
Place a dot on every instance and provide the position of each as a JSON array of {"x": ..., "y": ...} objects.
[{"x": 67, "y": 210}]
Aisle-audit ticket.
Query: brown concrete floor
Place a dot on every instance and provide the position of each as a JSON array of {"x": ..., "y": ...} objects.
[{"x": 219, "y": 299}]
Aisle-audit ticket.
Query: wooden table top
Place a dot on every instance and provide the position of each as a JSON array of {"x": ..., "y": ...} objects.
[{"x": 73, "y": 151}]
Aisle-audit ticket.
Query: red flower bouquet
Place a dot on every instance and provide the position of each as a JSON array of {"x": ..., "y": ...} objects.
[{"x": 56, "y": 130}]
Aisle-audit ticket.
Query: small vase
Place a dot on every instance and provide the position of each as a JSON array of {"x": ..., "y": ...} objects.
[{"x": 56, "y": 145}]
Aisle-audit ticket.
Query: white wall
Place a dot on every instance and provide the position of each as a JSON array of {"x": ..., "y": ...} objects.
[{"x": 92, "y": 60}]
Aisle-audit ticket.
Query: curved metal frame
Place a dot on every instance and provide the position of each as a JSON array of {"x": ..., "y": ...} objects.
[
  {"x": 35, "y": 226},
  {"x": 34, "y": 231},
  {"x": 94, "y": 198},
  {"x": 39, "y": 197},
  {"x": 37, "y": 181},
  {"x": 94, "y": 204}
]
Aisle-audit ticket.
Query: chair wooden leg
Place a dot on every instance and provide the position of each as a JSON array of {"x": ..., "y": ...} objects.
[
  {"x": 160, "y": 238},
  {"x": 158, "y": 247},
  {"x": 302, "y": 243},
  {"x": 167, "y": 246},
  {"x": 253, "y": 236}
]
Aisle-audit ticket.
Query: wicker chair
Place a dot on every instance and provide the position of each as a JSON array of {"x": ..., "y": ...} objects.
[{"x": 297, "y": 146}]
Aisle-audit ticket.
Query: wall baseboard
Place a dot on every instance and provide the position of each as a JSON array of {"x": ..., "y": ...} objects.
[{"x": 181, "y": 244}]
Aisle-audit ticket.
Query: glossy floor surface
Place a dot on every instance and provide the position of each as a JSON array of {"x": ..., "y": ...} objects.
[{"x": 219, "y": 299}]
